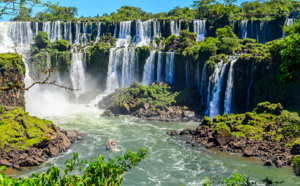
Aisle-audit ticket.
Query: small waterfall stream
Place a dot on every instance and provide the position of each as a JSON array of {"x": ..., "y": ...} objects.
[
  {"x": 175, "y": 27},
  {"x": 187, "y": 73},
  {"x": 159, "y": 66},
  {"x": 229, "y": 86},
  {"x": 215, "y": 82},
  {"x": 203, "y": 85},
  {"x": 200, "y": 29},
  {"x": 250, "y": 86},
  {"x": 148, "y": 74},
  {"x": 170, "y": 69},
  {"x": 77, "y": 74},
  {"x": 244, "y": 29}
]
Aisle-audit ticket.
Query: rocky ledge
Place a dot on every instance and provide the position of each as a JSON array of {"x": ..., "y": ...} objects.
[
  {"x": 157, "y": 102},
  {"x": 40, "y": 152},
  {"x": 268, "y": 133},
  {"x": 27, "y": 141}
]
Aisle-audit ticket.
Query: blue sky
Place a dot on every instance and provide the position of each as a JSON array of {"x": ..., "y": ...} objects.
[{"x": 93, "y": 7}]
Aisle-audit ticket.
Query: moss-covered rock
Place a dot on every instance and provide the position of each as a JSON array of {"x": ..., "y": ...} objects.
[
  {"x": 267, "y": 121},
  {"x": 12, "y": 71},
  {"x": 18, "y": 130}
]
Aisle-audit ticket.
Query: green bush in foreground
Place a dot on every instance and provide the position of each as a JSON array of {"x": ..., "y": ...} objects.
[{"x": 98, "y": 172}]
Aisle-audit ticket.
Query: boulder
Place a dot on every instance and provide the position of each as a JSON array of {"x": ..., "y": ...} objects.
[
  {"x": 173, "y": 133},
  {"x": 4, "y": 162},
  {"x": 223, "y": 141},
  {"x": 248, "y": 152},
  {"x": 187, "y": 131},
  {"x": 53, "y": 151}
]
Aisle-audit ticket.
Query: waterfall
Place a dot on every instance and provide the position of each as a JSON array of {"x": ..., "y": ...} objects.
[
  {"x": 243, "y": 29},
  {"x": 216, "y": 81},
  {"x": 68, "y": 31},
  {"x": 159, "y": 67},
  {"x": 252, "y": 34},
  {"x": 198, "y": 76},
  {"x": 77, "y": 74},
  {"x": 143, "y": 33},
  {"x": 15, "y": 32},
  {"x": 199, "y": 29},
  {"x": 149, "y": 68},
  {"x": 124, "y": 34},
  {"x": 77, "y": 33},
  {"x": 187, "y": 73},
  {"x": 170, "y": 67},
  {"x": 115, "y": 31},
  {"x": 120, "y": 68},
  {"x": 289, "y": 23},
  {"x": 55, "y": 33},
  {"x": 203, "y": 85},
  {"x": 36, "y": 28},
  {"x": 228, "y": 92},
  {"x": 99, "y": 32},
  {"x": 47, "y": 28},
  {"x": 249, "y": 87},
  {"x": 175, "y": 27},
  {"x": 48, "y": 61}
]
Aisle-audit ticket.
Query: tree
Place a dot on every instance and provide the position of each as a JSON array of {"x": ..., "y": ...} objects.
[
  {"x": 18, "y": 7},
  {"x": 203, "y": 7},
  {"x": 57, "y": 12}
]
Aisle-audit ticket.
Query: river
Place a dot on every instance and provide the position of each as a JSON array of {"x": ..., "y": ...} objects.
[{"x": 170, "y": 161}]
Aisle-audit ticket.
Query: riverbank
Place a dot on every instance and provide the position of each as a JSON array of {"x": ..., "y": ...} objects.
[
  {"x": 268, "y": 133},
  {"x": 27, "y": 141}
]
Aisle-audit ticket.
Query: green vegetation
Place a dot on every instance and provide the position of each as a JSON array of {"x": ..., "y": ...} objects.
[
  {"x": 265, "y": 120},
  {"x": 19, "y": 130},
  {"x": 295, "y": 160},
  {"x": 159, "y": 97},
  {"x": 98, "y": 172},
  {"x": 42, "y": 52},
  {"x": 291, "y": 55}
]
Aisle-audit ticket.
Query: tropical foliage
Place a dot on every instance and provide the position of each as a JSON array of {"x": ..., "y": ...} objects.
[{"x": 79, "y": 172}]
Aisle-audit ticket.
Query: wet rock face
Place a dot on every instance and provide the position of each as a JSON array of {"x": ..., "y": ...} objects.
[{"x": 41, "y": 151}]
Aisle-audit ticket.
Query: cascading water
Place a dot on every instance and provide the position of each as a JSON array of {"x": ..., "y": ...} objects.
[
  {"x": 99, "y": 32},
  {"x": 250, "y": 85},
  {"x": 203, "y": 85},
  {"x": 187, "y": 73},
  {"x": 198, "y": 76},
  {"x": 68, "y": 31},
  {"x": 175, "y": 27},
  {"x": 243, "y": 29},
  {"x": 216, "y": 80},
  {"x": 143, "y": 33},
  {"x": 159, "y": 67},
  {"x": 149, "y": 68},
  {"x": 77, "y": 75},
  {"x": 228, "y": 92},
  {"x": 200, "y": 29},
  {"x": 169, "y": 71},
  {"x": 120, "y": 68},
  {"x": 289, "y": 23},
  {"x": 124, "y": 34}
]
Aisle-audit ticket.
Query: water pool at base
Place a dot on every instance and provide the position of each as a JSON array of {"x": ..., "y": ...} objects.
[{"x": 170, "y": 161}]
